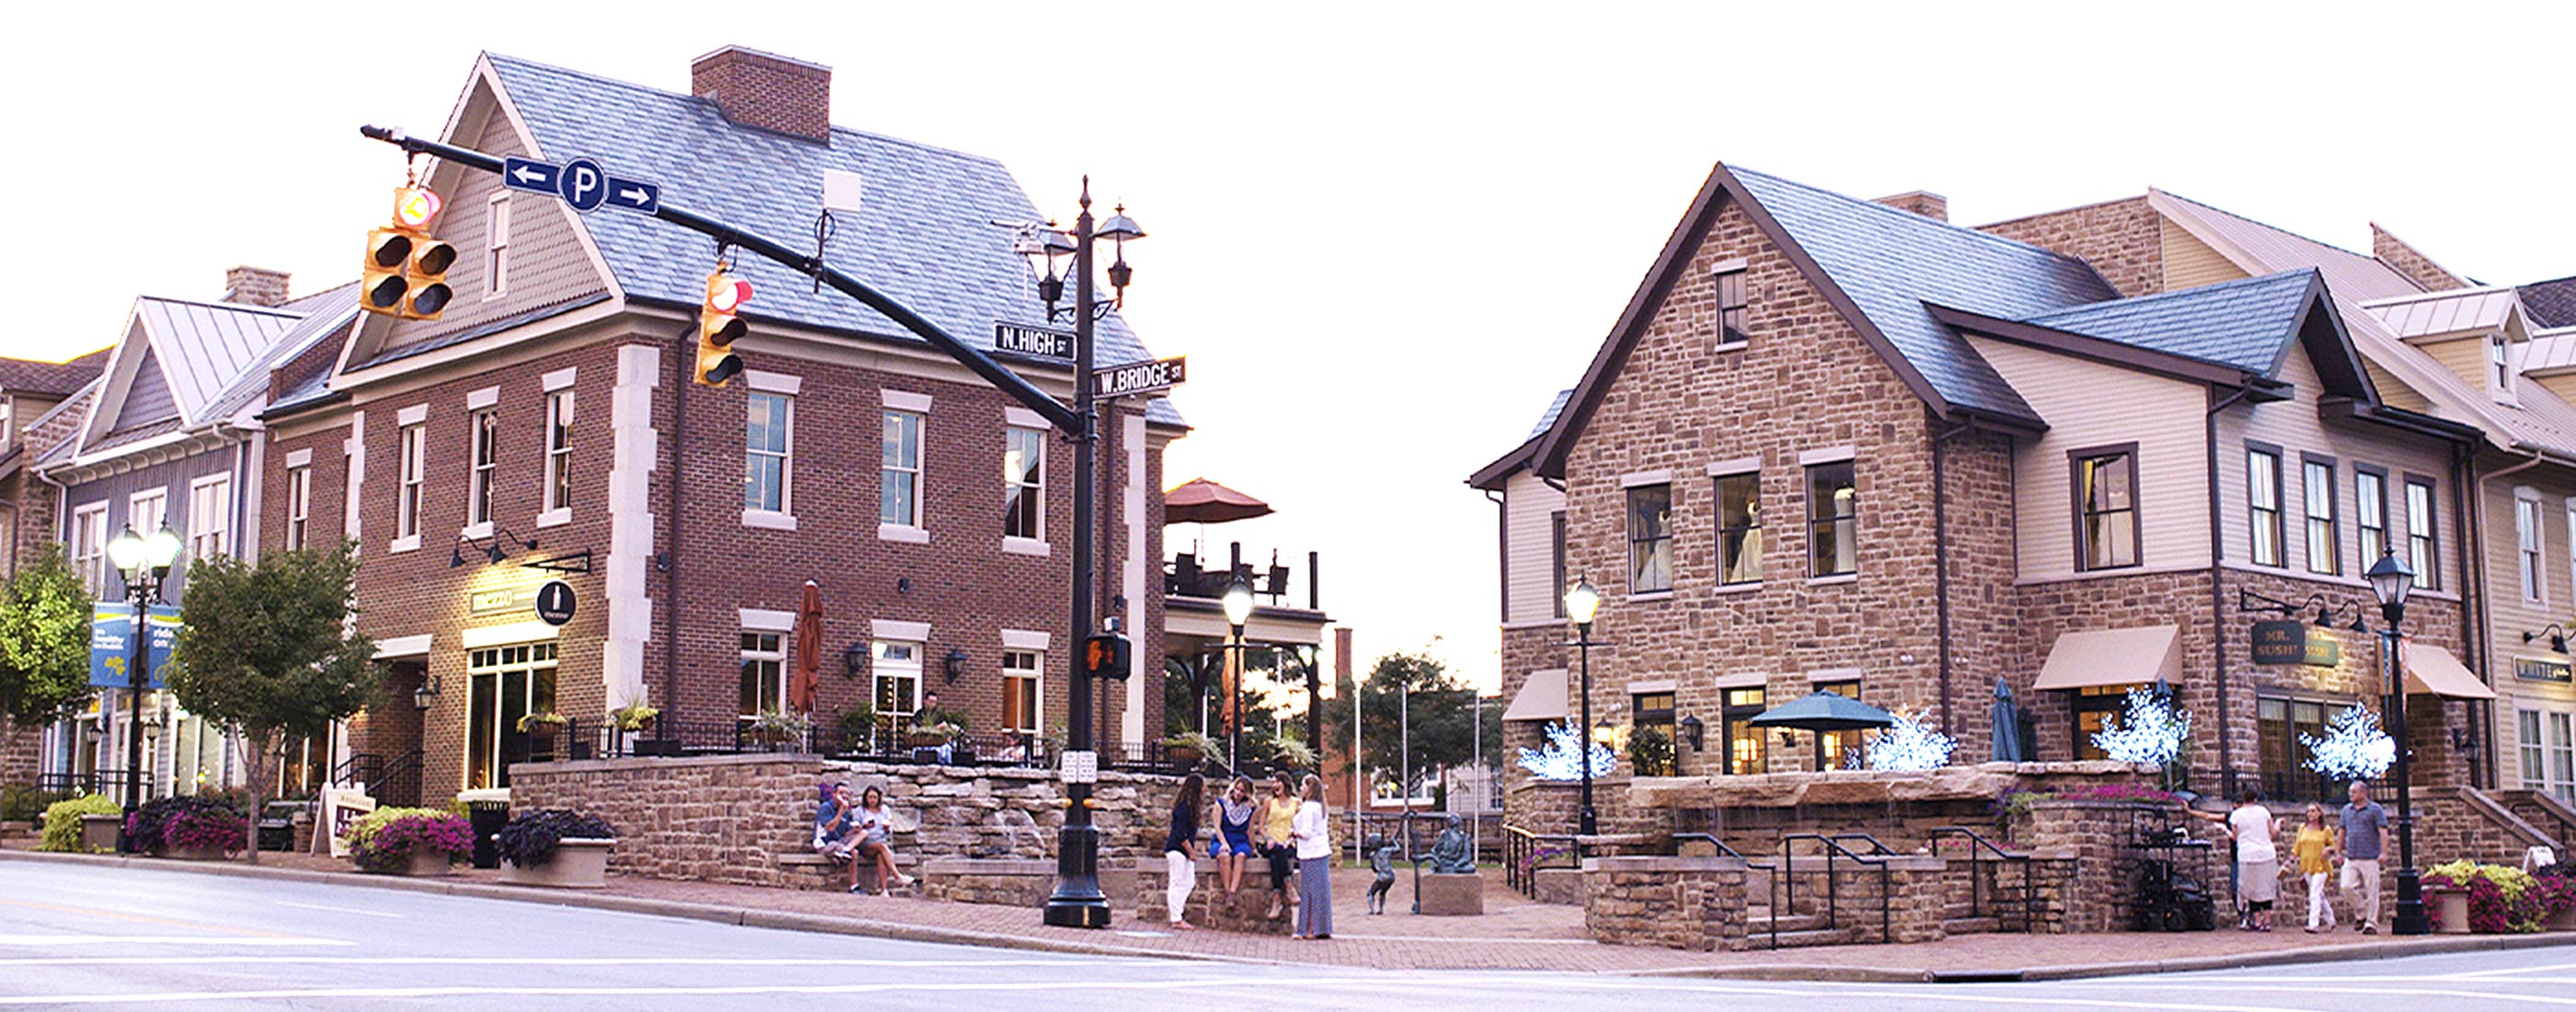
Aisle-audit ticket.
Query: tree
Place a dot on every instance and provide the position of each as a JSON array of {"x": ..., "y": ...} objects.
[
  {"x": 44, "y": 643},
  {"x": 1444, "y": 718},
  {"x": 267, "y": 649}
]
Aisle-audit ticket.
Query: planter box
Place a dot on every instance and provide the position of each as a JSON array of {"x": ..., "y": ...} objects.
[
  {"x": 422, "y": 863},
  {"x": 2564, "y": 920},
  {"x": 577, "y": 864},
  {"x": 189, "y": 853},
  {"x": 2452, "y": 907},
  {"x": 98, "y": 832}
]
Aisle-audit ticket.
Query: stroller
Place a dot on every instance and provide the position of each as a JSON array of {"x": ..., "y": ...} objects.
[{"x": 2169, "y": 899}]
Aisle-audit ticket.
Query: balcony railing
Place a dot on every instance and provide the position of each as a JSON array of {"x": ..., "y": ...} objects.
[{"x": 1188, "y": 575}]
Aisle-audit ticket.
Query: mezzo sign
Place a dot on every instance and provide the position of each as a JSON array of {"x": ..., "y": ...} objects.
[{"x": 1139, "y": 377}]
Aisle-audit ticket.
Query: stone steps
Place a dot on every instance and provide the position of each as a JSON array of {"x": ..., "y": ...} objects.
[{"x": 1759, "y": 937}]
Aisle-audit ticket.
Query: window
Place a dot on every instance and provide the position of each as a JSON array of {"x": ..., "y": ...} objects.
[
  {"x": 2093, "y": 704},
  {"x": 559, "y": 450},
  {"x": 407, "y": 494},
  {"x": 484, "y": 428},
  {"x": 2419, "y": 534},
  {"x": 2263, "y": 500},
  {"x": 1024, "y": 483},
  {"x": 1739, "y": 529},
  {"x": 497, "y": 247},
  {"x": 2106, "y": 497},
  {"x": 1021, "y": 683},
  {"x": 2278, "y": 724},
  {"x": 89, "y": 546},
  {"x": 1654, "y": 711},
  {"x": 1743, "y": 740},
  {"x": 900, "y": 492},
  {"x": 1650, "y": 539},
  {"x": 1833, "y": 520},
  {"x": 1730, "y": 308},
  {"x": 503, "y": 684},
  {"x": 2527, "y": 544},
  {"x": 2548, "y": 764},
  {"x": 2571, "y": 537},
  {"x": 299, "y": 506},
  {"x": 2370, "y": 497},
  {"x": 147, "y": 511},
  {"x": 2500, "y": 364},
  {"x": 764, "y": 673},
  {"x": 2562, "y": 757},
  {"x": 2325, "y": 553},
  {"x": 1556, "y": 534},
  {"x": 210, "y": 511},
  {"x": 897, "y": 669},
  {"x": 765, "y": 446},
  {"x": 1843, "y": 749},
  {"x": 2532, "y": 755}
]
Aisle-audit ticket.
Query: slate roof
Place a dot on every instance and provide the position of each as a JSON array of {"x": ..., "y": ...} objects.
[
  {"x": 1547, "y": 420},
  {"x": 2243, "y": 324},
  {"x": 56, "y": 379},
  {"x": 1891, "y": 262},
  {"x": 925, "y": 235},
  {"x": 2551, "y": 304}
]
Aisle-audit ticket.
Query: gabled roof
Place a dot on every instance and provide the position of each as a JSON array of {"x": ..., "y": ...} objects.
[
  {"x": 52, "y": 379},
  {"x": 1491, "y": 476},
  {"x": 196, "y": 364},
  {"x": 1555, "y": 407},
  {"x": 925, "y": 235},
  {"x": 2460, "y": 310},
  {"x": 202, "y": 347},
  {"x": 332, "y": 313},
  {"x": 2246, "y": 324},
  {"x": 2552, "y": 304}
]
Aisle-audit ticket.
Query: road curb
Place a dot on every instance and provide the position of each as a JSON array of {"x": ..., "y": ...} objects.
[{"x": 2346, "y": 953}]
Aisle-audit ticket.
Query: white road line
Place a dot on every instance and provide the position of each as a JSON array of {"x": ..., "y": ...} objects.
[
  {"x": 2310, "y": 987},
  {"x": 536, "y": 961},
  {"x": 51, "y": 941},
  {"x": 2509, "y": 971},
  {"x": 1470, "y": 939},
  {"x": 333, "y": 909}
]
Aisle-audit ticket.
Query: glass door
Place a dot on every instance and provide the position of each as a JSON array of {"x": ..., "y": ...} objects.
[{"x": 504, "y": 684}]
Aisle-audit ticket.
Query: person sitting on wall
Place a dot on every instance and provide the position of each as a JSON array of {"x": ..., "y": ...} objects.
[
  {"x": 876, "y": 842},
  {"x": 835, "y": 833}
]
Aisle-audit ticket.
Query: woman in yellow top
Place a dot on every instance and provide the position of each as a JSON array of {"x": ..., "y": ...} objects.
[
  {"x": 2313, "y": 849},
  {"x": 1278, "y": 812}
]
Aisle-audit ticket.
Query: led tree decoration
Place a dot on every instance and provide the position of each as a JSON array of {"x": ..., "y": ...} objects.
[
  {"x": 1556, "y": 761},
  {"x": 2149, "y": 731},
  {"x": 2353, "y": 748},
  {"x": 1910, "y": 747}
]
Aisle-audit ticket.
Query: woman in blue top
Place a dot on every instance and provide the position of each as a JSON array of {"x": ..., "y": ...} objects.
[{"x": 1234, "y": 833}]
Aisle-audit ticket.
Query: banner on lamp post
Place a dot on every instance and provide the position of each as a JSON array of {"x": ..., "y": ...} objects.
[{"x": 111, "y": 644}]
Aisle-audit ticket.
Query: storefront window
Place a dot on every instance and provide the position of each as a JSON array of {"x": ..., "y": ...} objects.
[
  {"x": 504, "y": 684},
  {"x": 2092, "y": 704},
  {"x": 1841, "y": 747},
  {"x": 1743, "y": 740},
  {"x": 1653, "y": 711},
  {"x": 898, "y": 678}
]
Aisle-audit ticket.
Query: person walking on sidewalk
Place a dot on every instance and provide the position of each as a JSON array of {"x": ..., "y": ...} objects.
[
  {"x": 2364, "y": 828},
  {"x": 1311, "y": 828},
  {"x": 2313, "y": 848},
  {"x": 1278, "y": 813},
  {"x": 2258, "y": 862},
  {"x": 1178, "y": 863}
]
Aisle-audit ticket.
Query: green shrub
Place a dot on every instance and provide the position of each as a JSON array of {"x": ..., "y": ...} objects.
[
  {"x": 63, "y": 820},
  {"x": 23, "y": 802}
]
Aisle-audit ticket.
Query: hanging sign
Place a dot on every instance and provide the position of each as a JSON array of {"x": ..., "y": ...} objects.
[
  {"x": 2280, "y": 642},
  {"x": 2536, "y": 669},
  {"x": 555, "y": 602},
  {"x": 111, "y": 644}
]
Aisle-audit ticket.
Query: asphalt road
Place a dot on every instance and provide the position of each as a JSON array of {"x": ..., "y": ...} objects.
[{"x": 85, "y": 936}]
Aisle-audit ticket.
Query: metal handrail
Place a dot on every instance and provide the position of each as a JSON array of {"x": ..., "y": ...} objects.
[
  {"x": 1721, "y": 846},
  {"x": 1520, "y": 847},
  {"x": 1977, "y": 845},
  {"x": 1833, "y": 914},
  {"x": 1875, "y": 847}
]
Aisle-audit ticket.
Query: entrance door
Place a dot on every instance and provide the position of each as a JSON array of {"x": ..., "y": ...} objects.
[{"x": 504, "y": 684}]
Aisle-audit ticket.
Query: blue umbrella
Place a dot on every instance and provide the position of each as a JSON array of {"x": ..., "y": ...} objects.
[{"x": 2007, "y": 725}]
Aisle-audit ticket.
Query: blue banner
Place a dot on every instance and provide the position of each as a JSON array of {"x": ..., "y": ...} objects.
[{"x": 111, "y": 643}]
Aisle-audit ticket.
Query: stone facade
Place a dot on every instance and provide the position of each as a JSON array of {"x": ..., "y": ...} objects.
[
  {"x": 2122, "y": 239},
  {"x": 1695, "y": 903}
]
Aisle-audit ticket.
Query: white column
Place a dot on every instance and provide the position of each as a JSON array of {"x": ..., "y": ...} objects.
[
  {"x": 1131, "y": 725},
  {"x": 635, "y": 451}
]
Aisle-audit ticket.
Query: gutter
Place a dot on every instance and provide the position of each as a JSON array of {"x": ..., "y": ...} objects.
[
  {"x": 1503, "y": 557},
  {"x": 2476, "y": 528}
]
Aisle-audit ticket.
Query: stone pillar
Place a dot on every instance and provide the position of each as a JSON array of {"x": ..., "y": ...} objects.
[{"x": 1694, "y": 903}]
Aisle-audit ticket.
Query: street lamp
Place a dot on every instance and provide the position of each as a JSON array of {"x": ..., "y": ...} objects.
[
  {"x": 143, "y": 560},
  {"x": 1076, "y": 901},
  {"x": 1314, "y": 701},
  {"x": 2393, "y": 580},
  {"x": 1582, "y": 603},
  {"x": 1238, "y": 610}
]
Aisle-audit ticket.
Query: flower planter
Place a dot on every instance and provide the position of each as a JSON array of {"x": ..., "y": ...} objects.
[
  {"x": 577, "y": 864},
  {"x": 2564, "y": 920},
  {"x": 423, "y": 862},
  {"x": 922, "y": 740},
  {"x": 189, "y": 853},
  {"x": 98, "y": 832},
  {"x": 2451, "y": 909}
]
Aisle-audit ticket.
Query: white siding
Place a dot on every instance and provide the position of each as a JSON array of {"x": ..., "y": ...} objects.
[
  {"x": 2190, "y": 263},
  {"x": 1529, "y": 549},
  {"x": 2087, "y": 405}
]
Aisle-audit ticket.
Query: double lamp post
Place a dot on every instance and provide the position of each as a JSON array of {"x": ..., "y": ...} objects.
[
  {"x": 143, "y": 560},
  {"x": 2392, "y": 580}
]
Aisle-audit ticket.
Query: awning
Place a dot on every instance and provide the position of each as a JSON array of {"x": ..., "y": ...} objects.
[
  {"x": 2096, "y": 657},
  {"x": 2431, "y": 670},
  {"x": 1541, "y": 698}
]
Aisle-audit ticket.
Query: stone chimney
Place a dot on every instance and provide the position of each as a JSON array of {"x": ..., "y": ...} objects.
[
  {"x": 766, "y": 91},
  {"x": 2409, "y": 261},
  {"x": 1929, "y": 205},
  {"x": 255, "y": 286}
]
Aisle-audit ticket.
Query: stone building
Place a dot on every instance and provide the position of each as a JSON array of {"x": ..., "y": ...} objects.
[{"x": 39, "y": 405}]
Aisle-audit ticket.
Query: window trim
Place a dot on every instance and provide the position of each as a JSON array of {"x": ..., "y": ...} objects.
[
  {"x": 556, "y": 500},
  {"x": 2076, "y": 459},
  {"x": 1629, "y": 508},
  {"x": 1035, "y": 672},
  {"x": 1556, "y": 531},
  {"x": 482, "y": 474},
  {"x": 1813, "y": 523},
  {"x": 921, "y": 450},
  {"x": 198, "y": 531},
  {"x": 2359, "y": 470},
  {"x": 1734, "y": 271},
  {"x": 411, "y": 468},
  {"x": 784, "y": 517},
  {"x": 779, "y": 655},
  {"x": 1729, "y": 715},
  {"x": 2333, "y": 518},
  {"x": 1717, "y": 495},
  {"x": 2531, "y": 561},
  {"x": 497, "y": 219},
  {"x": 299, "y": 506},
  {"x": 2499, "y": 363},
  {"x": 2253, "y": 513},
  {"x": 2428, "y": 574},
  {"x": 1036, "y": 541},
  {"x": 93, "y": 567}
]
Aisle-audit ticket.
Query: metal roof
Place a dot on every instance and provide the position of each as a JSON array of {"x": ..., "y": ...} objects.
[
  {"x": 2244, "y": 324},
  {"x": 925, "y": 236},
  {"x": 332, "y": 312},
  {"x": 205, "y": 347},
  {"x": 2354, "y": 276},
  {"x": 2451, "y": 312}
]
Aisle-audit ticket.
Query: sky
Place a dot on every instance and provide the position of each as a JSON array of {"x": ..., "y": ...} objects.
[{"x": 1384, "y": 233}]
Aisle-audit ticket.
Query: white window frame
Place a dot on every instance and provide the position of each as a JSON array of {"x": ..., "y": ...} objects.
[
  {"x": 411, "y": 456},
  {"x": 299, "y": 505},
  {"x": 160, "y": 500},
  {"x": 920, "y": 422},
  {"x": 1029, "y": 666},
  {"x": 881, "y": 668},
  {"x": 766, "y": 646},
  {"x": 496, "y": 245},
  {"x": 2530, "y": 545},
  {"x": 2500, "y": 366},
  {"x": 562, "y": 413},
  {"x": 784, "y": 516},
  {"x": 88, "y": 544},
  {"x": 1035, "y": 542},
  {"x": 2531, "y": 755},
  {"x": 483, "y": 463},
  {"x": 210, "y": 516},
  {"x": 2562, "y": 755}
]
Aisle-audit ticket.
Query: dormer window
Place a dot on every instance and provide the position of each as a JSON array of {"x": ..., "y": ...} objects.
[{"x": 2499, "y": 364}]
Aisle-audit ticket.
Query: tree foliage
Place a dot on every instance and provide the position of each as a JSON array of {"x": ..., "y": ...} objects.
[
  {"x": 1443, "y": 721},
  {"x": 44, "y": 640},
  {"x": 266, "y": 646}
]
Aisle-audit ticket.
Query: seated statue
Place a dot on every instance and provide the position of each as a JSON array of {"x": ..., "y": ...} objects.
[{"x": 1453, "y": 855}]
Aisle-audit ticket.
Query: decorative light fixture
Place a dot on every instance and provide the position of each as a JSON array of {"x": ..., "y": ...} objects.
[
  {"x": 1695, "y": 732},
  {"x": 1237, "y": 601},
  {"x": 954, "y": 664},
  {"x": 1582, "y": 605},
  {"x": 2557, "y": 637},
  {"x": 2393, "y": 580},
  {"x": 854, "y": 660},
  {"x": 427, "y": 695}
]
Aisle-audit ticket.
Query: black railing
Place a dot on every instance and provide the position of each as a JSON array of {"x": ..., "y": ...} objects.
[
  {"x": 1525, "y": 852},
  {"x": 70, "y": 783},
  {"x": 2300, "y": 786},
  {"x": 1831, "y": 848},
  {"x": 1188, "y": 575},
  {"x": 1978, "y": 848}
]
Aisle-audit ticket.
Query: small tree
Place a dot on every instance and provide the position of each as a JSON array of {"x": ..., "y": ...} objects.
[
  {"x": 1444, "y": 712},
  {"x": 267, "y": 649},
  {"x": 44, "y": 643}
]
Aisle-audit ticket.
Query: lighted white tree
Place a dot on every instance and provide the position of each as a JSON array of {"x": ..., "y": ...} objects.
[
  {"x": 1557, "y": 759},
  {"x": 2149, "y": 730},
  {"x": 1909, "y": 746},
  {"x": 2353, "y": 747}
]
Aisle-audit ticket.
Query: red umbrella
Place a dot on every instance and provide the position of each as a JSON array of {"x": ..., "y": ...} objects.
[
  {"x": 809, "y": 649},
  {"x": 1200, "y": 501}
]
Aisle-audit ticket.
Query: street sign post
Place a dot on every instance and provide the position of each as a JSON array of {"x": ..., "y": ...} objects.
[
  {"x": 1012, "y": 337},
  {"x": 1139, "y": 377},
  {"x": 582, "y": 184}
]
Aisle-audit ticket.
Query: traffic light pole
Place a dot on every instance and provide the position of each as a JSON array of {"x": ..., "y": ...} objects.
[{"x": 1077, "y": 901}]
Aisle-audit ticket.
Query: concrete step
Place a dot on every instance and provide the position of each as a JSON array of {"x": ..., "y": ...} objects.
[
  {"x": 1971, "y": 925},
  {"x": 1811, "y": 938}
]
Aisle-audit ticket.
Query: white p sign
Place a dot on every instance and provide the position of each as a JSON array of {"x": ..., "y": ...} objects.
[{"x": 583, "y": 184}]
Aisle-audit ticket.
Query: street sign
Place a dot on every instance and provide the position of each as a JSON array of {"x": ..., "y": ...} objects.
[
  {"x": 1081, "y": 767},
  {"x": 1012, "y": 337},
  {"x": 583, "y": 184},
  {"x": 633, "y": 195},
  {"x": 111, "y": 644},
  {"x": 529, "y": 174},
  {"x": 1139, "y": 377},
  {"x": 555, "y": 602}
]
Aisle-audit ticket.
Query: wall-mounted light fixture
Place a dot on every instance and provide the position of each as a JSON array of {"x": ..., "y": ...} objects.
[
  {"x": 954, "y": 664},
  {"x": 854, "y": 661},
  {"x": 427, "y": 695},
  {"x": 1695, "y": 732},
  {"x": 2557, "y": 637}
]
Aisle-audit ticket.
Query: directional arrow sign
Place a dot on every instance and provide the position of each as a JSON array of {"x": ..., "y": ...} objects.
[
  {"x": 526, "y": 174},
  {"x": 633, "y": 195},
  {"x": 1139, "y": 377}
]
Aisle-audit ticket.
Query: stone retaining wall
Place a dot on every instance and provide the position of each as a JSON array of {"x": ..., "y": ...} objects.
[
  {"x": 1695, "y": 903},
  {"x": 1208, "y": 905}
]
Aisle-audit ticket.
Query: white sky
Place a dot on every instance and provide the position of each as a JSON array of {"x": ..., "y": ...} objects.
[{"x": 1384, "y": 233}]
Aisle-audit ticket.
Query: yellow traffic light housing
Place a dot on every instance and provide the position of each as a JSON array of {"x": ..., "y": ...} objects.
[
  {"x": 383, "y": 287},
  {"x": 405, "y": 271},
  {"x": 718, "y": 328}
]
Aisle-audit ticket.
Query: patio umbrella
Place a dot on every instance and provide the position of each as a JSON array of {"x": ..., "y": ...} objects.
[
  {"x": 2007, "y": 725},
  {"x": 1822, "y": 711},
  {"x": 1200, "y": 501},
  {"x": 809, "y": 649}
]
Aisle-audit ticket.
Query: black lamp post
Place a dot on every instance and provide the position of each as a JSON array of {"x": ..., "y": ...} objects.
[
  {"x": 143, "y": 561},
  {"x": 1076, "y": 901},
  {"x": 1314, "y": 701},
  {"x": 1582, "y": 603},
  {"x": 2392, "y": 580},
  {"x": 1238, "y": 610}
]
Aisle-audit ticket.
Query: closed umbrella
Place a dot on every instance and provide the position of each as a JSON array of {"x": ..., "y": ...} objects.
[
  {"x": 809, "y": 649},
  {"x": 1822, "y": 711},
  {"x": 2007, "y": 725}
]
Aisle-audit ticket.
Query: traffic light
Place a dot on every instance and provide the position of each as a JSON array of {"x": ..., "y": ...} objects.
[
  {"x": 718, "y": 328},
  {"x": 1106, "y": 656},
  {"x": 405, "y": 273}
]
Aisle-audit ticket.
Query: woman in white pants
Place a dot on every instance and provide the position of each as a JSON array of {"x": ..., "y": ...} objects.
[
  {"x": 1178, "y": 861},
  {"x": 2314, "y": 850}
]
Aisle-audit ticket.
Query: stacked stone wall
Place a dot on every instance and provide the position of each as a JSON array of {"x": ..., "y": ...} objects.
[{"x": 1695, "y": 903}]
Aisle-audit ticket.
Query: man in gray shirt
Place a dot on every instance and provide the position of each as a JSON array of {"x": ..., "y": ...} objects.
[{"x": 2365, "y": 835}]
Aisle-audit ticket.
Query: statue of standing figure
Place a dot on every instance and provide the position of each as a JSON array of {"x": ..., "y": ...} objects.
[{"x": 1453, "y": 854}]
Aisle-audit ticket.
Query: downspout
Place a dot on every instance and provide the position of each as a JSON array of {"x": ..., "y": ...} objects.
[
  {"x": 2218, "y": 595},
  {"x": 670, "y": 559},
  {"x": 1503, "y": 552},
  {"x": 2476, "y": 519},
  {"x": 1941, "y": 568}
]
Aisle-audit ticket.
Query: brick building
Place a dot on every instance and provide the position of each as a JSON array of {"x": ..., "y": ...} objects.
[
  {"x": 39, "y": 407},
  {"x": 1842, "y": 445},
  {"x": 546, "y": 429}
]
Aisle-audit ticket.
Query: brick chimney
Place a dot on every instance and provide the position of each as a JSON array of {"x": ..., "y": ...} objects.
[
  {"x": 765, "y": 91},
  {"x": 255, "y": 286},
  {"x": 1929, "y": 205}
]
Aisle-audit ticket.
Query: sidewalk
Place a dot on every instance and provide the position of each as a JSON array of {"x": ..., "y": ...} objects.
[{"x": 1513, "y": 934}]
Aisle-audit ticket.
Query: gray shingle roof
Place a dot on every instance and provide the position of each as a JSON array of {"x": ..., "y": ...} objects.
[
  {"x": 2551, "y": 304},
  {"x": 925, "y": 236},
  {"x": 1892, "y": 262},
  {"x": 2243, "y": 324},
  {"x": 59, "y": 379},
  {"x": 1547, "y": 420}
]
